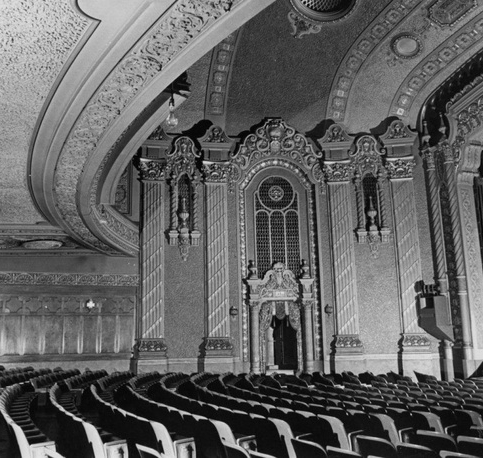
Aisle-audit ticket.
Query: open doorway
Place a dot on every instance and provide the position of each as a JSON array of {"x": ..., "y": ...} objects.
[{"x": 285, "y": 343}]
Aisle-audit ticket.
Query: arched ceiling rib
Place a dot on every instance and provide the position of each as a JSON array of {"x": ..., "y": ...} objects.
[{"x": 110, "y": 94}]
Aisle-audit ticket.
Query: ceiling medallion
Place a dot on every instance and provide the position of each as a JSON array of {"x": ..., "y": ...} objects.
[
  {"x": 406, "y": 46},
  {"x": 308, "y": 15}
]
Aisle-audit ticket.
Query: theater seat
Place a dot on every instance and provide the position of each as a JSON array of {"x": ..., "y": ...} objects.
[
  {"x": 334, "y": 452},
  {"x": 375, "y": 446}
]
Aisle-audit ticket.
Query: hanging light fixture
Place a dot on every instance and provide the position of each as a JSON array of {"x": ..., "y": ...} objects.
[{"x": 171, "y": 120}]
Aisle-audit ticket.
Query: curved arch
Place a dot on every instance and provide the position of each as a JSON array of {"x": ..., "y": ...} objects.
[{"x": 114, "y": 101}]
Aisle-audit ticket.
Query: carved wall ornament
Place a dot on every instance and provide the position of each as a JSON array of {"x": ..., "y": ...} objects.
[
  {"x": 182, "y": 170},
  {"x": 218, "y": 344},
  {"x": 367, "y": 157},
  {"x": 338, "y": 171},
  {"x": 336, "y": 133},
  {"x": 468, "y": 119},
  {"x": 224, "y": 172},
  {"x": 348, "y": 341},
  {"x": 151, "y": 170},
  {"x": 415, "y": 340},
  {"x": 278, "y": 282},
  {"x": 400, "y": 168},
  {"x": 276, "y": 138},
  {"x": 156, "y": 346}
]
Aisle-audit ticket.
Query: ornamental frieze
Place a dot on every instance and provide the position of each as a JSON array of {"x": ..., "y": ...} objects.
[
  {"x": 57, "y": 279},
  {"x": 151, "y": 346}
]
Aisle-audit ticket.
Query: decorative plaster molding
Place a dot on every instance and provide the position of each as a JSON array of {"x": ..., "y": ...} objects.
[
  {"x": 167, "y": 38},
  {"x": 400, "y": 168},
  {"x": 353, "y": 61},
  {"x": 58, "y": 279},
  {"x": 276, "y": 139},
  {"x": 416, "y": 340},
  {"x": 435, "y": 62},
  {"x": 222, "y": 59}
]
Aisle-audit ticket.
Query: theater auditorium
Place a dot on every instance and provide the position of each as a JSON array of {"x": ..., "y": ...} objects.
[{"x": 241, "y": 228}]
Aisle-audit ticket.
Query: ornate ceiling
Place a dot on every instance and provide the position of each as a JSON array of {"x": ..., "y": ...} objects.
[{"x": 84, "y": 83}]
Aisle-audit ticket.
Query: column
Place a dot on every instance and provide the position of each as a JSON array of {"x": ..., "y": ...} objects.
[
  {"x": 415, "y": 339},
  {"x": 218, "y": 342},
  {"x": 150, "y": 350},
  {"x": 462, "y": 289},
  {"x": 254, "y": 336},
  {"x": 345, "y": 290},
  {"x": 439, "y": 251}
]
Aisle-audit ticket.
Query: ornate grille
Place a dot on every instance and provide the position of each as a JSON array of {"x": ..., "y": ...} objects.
[{"x": 277, "y": 225}]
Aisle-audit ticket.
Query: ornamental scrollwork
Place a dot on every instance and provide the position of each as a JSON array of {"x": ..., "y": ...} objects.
[
  {"x": 278, "y": 282},
  {"x": 367, "y": 158},
  {"x": 276, "y": 138}
]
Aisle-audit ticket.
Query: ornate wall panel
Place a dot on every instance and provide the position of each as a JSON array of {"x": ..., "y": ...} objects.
[{"x": 60, "y": 326}]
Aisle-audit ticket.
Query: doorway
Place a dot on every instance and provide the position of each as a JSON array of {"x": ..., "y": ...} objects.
[{"x": 284, "y": 343}]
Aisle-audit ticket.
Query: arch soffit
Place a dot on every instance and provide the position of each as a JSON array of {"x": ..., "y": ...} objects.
[
  {"x": 465, "y": 116},
  {"x": 114, "y": 101},
  {"x": 464, "y": 40}
]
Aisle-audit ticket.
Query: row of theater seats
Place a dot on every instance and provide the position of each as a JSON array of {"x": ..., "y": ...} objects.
[{"x": 247, "y": 415}]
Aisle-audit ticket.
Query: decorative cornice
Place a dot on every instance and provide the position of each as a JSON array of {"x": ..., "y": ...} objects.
[{"x": 58, "y": 279}]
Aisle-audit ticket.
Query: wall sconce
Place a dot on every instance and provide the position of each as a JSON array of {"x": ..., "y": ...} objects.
[
  {"x": 233, "y": 312},
  {"x": 171, "y": 120},
  {"x": 329, "y": 309},
  {"x": 90, "y": 304}
]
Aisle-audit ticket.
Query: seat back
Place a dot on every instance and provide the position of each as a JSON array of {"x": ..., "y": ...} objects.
[
  {"x": 376, "y": 446},
  {"x": 308, "y": 449},
  {"x": 470, "y": 445},
  {"x": 435, "y": 441}
]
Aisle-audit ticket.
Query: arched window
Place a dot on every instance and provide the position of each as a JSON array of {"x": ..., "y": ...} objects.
[{"x": 277, "y": 224}]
